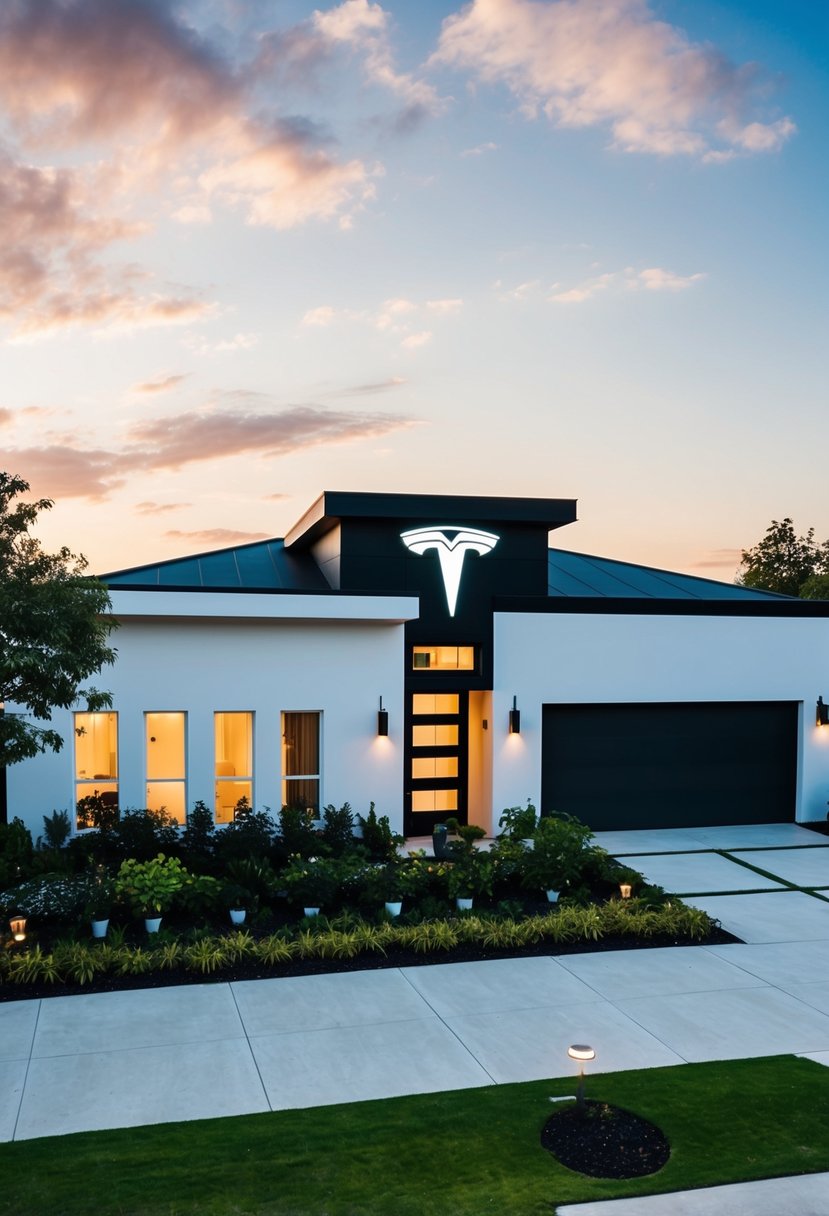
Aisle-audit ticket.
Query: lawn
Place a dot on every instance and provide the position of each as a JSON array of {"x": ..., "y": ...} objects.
[{"x": 453, "y": 1154}]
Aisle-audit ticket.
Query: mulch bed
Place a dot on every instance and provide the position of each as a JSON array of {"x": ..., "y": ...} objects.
[
  {"x": 363, "y": 962},
  {"x": 605, "y": 1141}
]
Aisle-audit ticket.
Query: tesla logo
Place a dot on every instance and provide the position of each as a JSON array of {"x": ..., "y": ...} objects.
[{"x": 452, "y": 544}]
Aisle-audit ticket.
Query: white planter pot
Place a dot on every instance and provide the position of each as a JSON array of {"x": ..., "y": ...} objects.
[
  {"x": 394, "y": 906},
  {"x": 310, "y": 911},
  {"x": 237, "y": 916},
  {"x": 99, "y": 927},
  {"x": 463, "y": 903},
  {"x": 553, "y": 896},
  {"x": 152, "y": 923}
]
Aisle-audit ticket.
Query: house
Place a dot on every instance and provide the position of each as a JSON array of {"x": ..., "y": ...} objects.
[{"x": 433, "y": 655}]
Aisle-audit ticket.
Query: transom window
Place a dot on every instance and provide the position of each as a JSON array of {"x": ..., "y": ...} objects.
[{"x": 443, "y": 658}]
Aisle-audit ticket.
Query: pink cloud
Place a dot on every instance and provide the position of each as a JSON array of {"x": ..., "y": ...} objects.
[
  {"x": 217, "y": 536},
  {"x": 163, "y": 385},
  {"x": 612, "y": 63}
]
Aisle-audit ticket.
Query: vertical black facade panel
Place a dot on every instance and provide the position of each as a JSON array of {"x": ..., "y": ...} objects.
[{"x": 671, "y": 765}]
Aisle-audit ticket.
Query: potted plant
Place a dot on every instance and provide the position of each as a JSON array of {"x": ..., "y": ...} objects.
[
  {"x": 313, "y": 883},
  {"x": 236, "y": 899},
  {"x": 471, "y": 874},
  {"x": 150, "y": 886},
  {"x": 561, "y": 848},
  {"x": 99, "y": 906}
]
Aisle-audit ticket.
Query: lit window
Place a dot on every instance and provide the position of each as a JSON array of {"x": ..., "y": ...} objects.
[
  {"x": 443, "y": 658},
  {"x": 434, "y": 736},
  {"x": 301, "y": 760},
  {"x": 96, "y": 767},
  {"x": 164, "y": 735},
  {"x": 234, "y": 762},
  {"x": 434, "y": 800},
  {"x": 434, "y": 766},
  {"x": 435, "y": 703}
]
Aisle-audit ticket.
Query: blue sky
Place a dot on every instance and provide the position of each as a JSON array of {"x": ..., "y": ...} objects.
[{"x": 572, "y": 248}]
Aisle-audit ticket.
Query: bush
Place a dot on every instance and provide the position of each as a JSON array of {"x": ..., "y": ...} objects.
[
  {"x": 57, "y": 829},
  {"x": 143, "y": 834},
  {"x": 298, "y": 836},
  {"x": 519, "y": 822},
  {"x": 150, "y": 886},
  {"x": 52, "y": 897},
  {"x": 16, "y": 852},
  {"x": 250, "y": 835},
  {"x": 378, "y": 839},
  {"x": 338, "y": 829},
  {"x": 559, "y": 855},
  {"x": 198, "y": 840}
]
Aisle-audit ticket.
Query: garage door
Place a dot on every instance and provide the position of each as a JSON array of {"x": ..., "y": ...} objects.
[{"x": 671, "y": 765}]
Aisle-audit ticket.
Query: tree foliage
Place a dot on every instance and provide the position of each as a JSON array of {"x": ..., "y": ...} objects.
[
  {"x": 787, "y": 563},
  {"x": 54, "y": 629}
]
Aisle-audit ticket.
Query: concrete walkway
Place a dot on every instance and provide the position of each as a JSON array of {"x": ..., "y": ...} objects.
[{"x": 123, "y": 1059}]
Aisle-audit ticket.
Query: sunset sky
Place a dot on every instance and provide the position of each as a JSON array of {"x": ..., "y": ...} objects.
[{"x": 254, "y": 249}]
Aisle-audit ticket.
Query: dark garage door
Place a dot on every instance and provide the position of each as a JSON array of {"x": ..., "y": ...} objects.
[{"x": 671, "y": 765}]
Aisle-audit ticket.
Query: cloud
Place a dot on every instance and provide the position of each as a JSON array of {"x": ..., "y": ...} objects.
[
  {"x": 379, "y": 386},
  {"x": 613, "y": 63},
  {"x": 6, "y": 416},
  {"x": 141, "y": 113},
  {"x": 323, "y": 315},
  {"x": 521, "y": 292},
  {"x": 66, "y": 469},
  {"x": 480, "y": 149},
  {"x": 415, "y": 340},
  {"x": 364, "y": 27},
  {"x": 170, "y": 443},
  {"x": 655, "y": 278},
  {"x": 444, "y": 307},
  {"x": 725, "y": 559},
  {"x": 221, "y": 346},
  {"x": 160, "y": 386},
  {"x": 217, "y": 536},
  {"x": 159, "y": 508}
]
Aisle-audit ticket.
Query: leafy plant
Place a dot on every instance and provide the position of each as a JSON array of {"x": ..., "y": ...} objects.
[
  {"x": 559, "y": 854},
  {"x": 16, "y": 851},
  {"x": 313, "y": 882},
  {"x": 519, "y": 822},
  {"x": 250, "y": 835},
  {"x": 378, "y": 838},
  {"x": 338, "y": 829},
  {"x": 297, "y": 833},
  {"x": 52, "y": 897},
  {"x": 198, "y": 839},
  {"x": 471, "y": 874},
  {"x": 149, "y": 886},
  {"x": 56, "y": 830}
]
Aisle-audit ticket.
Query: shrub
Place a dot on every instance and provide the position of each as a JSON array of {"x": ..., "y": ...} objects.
[
  {"x": 57, "y": 829},
  {"x": 51, "y": 897},
  {"x": 197, "y": 841},
  {"x": 378, "y": 839},
  {"x": 149, "y": 886},
  {"x": 16, "y": 852},
  {"x": 338, "y": 829},
  {"x": 250, "y": 835},
  {"x": 559, "y": 854},
  {"x": 519, "y": 822},
  {"x": 298, "y": 836}
]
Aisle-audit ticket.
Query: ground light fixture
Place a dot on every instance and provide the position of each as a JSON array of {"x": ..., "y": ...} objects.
[
  {"x": 582, "y": 1053},
  {"x": 821, "y": 713},
  {"x": 17, "y": 924},
  {"x": 382, "y": 720},
  {"x": 515, "y": 718},
  {"x": 625, "y": 890}
]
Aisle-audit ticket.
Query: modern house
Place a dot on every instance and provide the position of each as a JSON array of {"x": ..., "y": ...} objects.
[{"x": 432, "y": 654}]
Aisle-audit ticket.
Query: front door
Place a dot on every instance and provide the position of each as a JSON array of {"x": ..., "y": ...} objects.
[{"x": 436, "y": 760}]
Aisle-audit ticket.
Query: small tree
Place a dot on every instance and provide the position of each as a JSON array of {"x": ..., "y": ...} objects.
[
  {"x": 53, "y": 629},
  {"x": 786, "y": 563}
]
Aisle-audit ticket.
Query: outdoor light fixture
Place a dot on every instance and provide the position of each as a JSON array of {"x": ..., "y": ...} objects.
[
  {"x": 382, "y": 720},
  {"x": 821, "y": 713},
  {"x": 515, "y": 718},
  {"x": 582, "y": 1053},
  {"x": 17, "y": 924},
  {"x": 625, "y": 889}
]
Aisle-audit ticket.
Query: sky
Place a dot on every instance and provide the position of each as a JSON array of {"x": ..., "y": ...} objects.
[{"x": 254, "y": 250}]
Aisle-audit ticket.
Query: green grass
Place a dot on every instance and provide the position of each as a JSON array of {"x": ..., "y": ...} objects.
[{"x": 465, "y": 1153}]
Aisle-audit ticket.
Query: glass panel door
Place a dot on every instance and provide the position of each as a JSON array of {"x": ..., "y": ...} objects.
[{"x": 436, "y": 760}]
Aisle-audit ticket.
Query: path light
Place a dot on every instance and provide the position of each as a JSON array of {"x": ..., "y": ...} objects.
[
  {"x": 581, "y": 1052},
  {"x": 626, "y": 890},
  {"x": 17, "y": 924}
]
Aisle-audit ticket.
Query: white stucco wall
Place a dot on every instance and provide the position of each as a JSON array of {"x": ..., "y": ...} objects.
[
  {"x": 564, "y": 658},
  {"x": 261, "y": 663}
]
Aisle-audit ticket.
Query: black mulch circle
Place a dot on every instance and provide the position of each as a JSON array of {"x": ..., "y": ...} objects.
[{"x": 605, "y": 1142}]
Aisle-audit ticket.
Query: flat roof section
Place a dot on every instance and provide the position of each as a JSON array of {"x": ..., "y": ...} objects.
[{"x": 334, "y": 506}]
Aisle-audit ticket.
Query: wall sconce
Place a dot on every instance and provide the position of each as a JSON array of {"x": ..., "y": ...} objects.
[
  {"x": 515, "y": 718},
  {"x": 581, "y": 1052},
  {"x": 17, "y": 924},
  {"x": 382, "y": 720},
  {"x": 821, "y": 713},
  {"x": 626, "y": 890}
]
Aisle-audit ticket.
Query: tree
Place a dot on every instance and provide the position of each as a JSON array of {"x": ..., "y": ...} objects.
[
  {"x": 54, "y": 627},
  {"x": 787, "y": 563}
]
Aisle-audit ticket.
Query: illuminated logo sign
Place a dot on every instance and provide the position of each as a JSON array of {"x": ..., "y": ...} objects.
[{"x": 452, "y": 544}]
